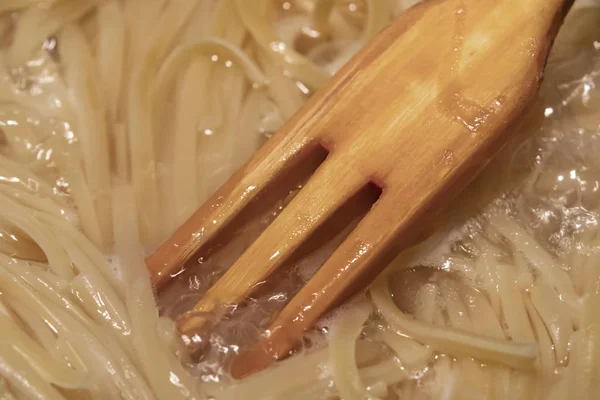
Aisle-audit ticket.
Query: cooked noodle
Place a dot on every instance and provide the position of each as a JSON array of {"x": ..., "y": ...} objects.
[{"x": 118, "y": 118}]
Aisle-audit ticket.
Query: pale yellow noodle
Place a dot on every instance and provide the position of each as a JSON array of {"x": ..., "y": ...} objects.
[
  {"x": 38, "y": 203},
  {"x": 513, "y": 306},
  {"x": 20, "y": 134},
  {"x": 377, "y": 376},
  {"x": 547, "y": 357},
  {"x": 15, "y": 242},
  {"x": 305, "y": 368},
  {"x": 413, "y": 356},
  {"x": 229, "y": 102},
  {"x": 38, "y": 23},
  {"x": 342, "y": 352},
  {"x": 15, "y": 339},
  {"x": 13, "y": 173},
  {"x": 500, "y": 383},
  {"x": 101, "y": 303},
  {"x": 560, "y": 391},
  {"x": 190, "y": 126},
  {"x": 140, "y": 22},
  {"x": 308, "y": 375},
  {"x": 207, "y": 16},
  {"x": 183, "y": 188},
  {"x": 212, "y": 45},
  {"x": 378, "y": 16},
  {"x": 484, "y": 319},
  {"x": 141, "y": 16},
  {"x": 472, "y": 380},
  {"x": 582, "y": 373},
  {"x": 270, "y": 119},
  {"x": 110, "y": 53},
  {"x": 89, "y": 102},
  {"x": 300, "y": 68},
  {"x": 248, "y": 141},
  {"x": 445, "y": 381},
  {"x": 42, "y": 235},
  {"x": 321, "y": 15},
  {"x": 185, "y": 192},
  {"x": 238, "y": 87},
  {"x": 83, "y": 201},
  {"x": 24, "y": 378},
  {"x": 50, "y": 220},
  {"x": 539, "y": 257},
  {"x": 5, "y": 392},
  {"x": 485, "y": 322},
  {"x": 525, "y": 277},
  {"x": 282, "y": 90},
  {"x": 37, "y": 281},
  {"x": 555, "y": 315},
  {"x": 14, "y": 5},
  {"x": 96, "y": 353},
  {"x": 427, "y": 302},
  {"x": 139, "y": 107},
  {"x": 458, "y": 316},
  {"x": 486, "y": 270},
  {"x": 37, "y": 327},
  {"x": 452, "y": 341},
  {"x": 213, "y": 125},
  {"x": 171, "y": 96},
  {"x": 160, "y": 367},
  {"x": 121, "y": 146}
]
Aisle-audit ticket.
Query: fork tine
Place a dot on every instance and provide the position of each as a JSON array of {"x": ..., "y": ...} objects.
[
  {"x": 298, "y": 134},
  {"x": 280, "y": 154},
  {"x": 358, "y": 261},
  {"x": 327, "y": 190}
]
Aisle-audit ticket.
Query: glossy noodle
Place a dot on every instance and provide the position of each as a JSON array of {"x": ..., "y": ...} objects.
[{"x": 118, "y": 118}]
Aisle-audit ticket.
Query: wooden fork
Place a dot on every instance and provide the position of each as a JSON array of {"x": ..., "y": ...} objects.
[{"x": 417, "y": 113}]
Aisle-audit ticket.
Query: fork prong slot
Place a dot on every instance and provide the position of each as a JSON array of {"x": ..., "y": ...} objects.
[
  {"x": 278, "y": 159},
  {"x": 353, "y": 265},
  {"x": 327, "y": 190}
]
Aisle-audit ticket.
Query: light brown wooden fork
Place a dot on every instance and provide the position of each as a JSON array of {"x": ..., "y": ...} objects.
[{"x": 417, "y": 113}]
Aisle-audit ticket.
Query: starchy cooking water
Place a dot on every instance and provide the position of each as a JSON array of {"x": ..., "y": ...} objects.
[{"x": 501, "y": 301}]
